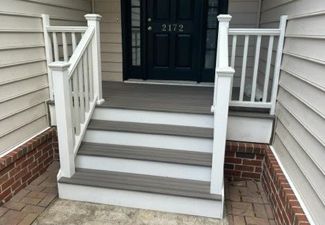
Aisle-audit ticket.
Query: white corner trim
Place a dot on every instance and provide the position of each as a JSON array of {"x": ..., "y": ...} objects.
[
  {"x": 303, "y": 206},
  {"x": 24, "y": 142}
]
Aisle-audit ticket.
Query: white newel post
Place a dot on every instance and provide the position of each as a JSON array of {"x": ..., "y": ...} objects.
[
  {"x": 220, "y": 108},
  {"x": 94, "y": 21},
  {"x": 277, "y": 68},
  {"x": 62, "y": 96},
  {"x": 48, "y": 50}
]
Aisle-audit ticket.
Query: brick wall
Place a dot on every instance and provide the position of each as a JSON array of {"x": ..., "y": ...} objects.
[
  {"x": 245, "y": 161},
  {"x": 287, "y": 209},
  {"x": 24, "y": 164}
]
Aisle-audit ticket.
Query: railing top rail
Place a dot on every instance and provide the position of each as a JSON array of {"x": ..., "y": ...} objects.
[
  {"x": 66, "y": 29},
  {"x": 250, "y": 31},
  {"x": 81, "y": 48}
]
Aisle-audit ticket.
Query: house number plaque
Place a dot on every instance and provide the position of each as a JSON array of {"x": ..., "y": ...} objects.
[{"x": 172, "y": 27}]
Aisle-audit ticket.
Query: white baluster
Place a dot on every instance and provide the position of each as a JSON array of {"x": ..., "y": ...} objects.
[
  {"x": 233, "y": 51},
  {"x": 65, "y": 47},
  {"x": 74, "y": 41},
  {"x": 86, "y": 79},
  {"x": 256, "y": 64},
  {"x": 81, "y": 92},
  {"x": 55, "y": 46},
  {"x": 90, "y": 73},
  {"x": 76, "y": 104},
  {"x": 243, "y": 72},
  {"x": 268, "y": 69}
]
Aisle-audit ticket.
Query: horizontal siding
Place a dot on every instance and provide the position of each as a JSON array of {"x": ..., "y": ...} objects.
[
  {"x": 300, "y": 129},
  {"x": 23, "y": 70},
  {"x": 111, "y": 38},
  {"x": 244, "y": 12}
]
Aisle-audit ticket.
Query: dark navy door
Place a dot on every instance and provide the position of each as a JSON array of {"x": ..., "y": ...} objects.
[
  {"x": 170, "y": 39},
  {"x": 174, "y": 36}
]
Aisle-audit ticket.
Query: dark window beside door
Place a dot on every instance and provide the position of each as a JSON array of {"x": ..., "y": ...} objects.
[
  {"x": 136, "y": 34},
  {"x": 211, "y": 34}
]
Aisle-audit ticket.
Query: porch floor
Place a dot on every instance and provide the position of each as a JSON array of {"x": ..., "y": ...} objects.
[{"x": 171, "y": 98}]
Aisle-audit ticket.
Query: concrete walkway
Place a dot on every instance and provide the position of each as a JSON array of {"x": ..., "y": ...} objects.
[{"x": 37, "y": 204}]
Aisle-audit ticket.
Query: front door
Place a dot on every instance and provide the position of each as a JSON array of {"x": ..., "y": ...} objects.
[
  {"x": 174, "y": 39},
  {"x": 170, "y": 39}
]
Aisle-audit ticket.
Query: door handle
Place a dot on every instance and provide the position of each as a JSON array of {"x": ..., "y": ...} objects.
[{"x": 150, "y": 28}]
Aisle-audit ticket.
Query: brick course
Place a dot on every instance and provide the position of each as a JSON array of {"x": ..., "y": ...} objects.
[
  {"x": 249, "y": 161},
  {"x": 27, "y": 162}
]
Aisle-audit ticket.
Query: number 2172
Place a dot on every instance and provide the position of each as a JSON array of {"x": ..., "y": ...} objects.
[{"x": 172, "y": 27}]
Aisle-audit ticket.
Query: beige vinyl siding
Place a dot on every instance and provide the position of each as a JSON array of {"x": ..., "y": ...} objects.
[
  {"x": 111, "y": 38},
  {"x": 244, "y": 12},
  {"x": 299, "y": 138},
  {"x": 23, "y": 70}
]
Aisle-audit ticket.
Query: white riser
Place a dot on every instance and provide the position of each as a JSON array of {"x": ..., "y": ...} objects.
[
  {"x": 165, "y": 203},
  {"x": 249, "y": 129},
  {"x": 144, "y": 167},
  {"x": 149, "y": 140},
  {"x": 154, "y": 117}
]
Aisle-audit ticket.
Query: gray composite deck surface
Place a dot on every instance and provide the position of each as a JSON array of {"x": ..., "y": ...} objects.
[
  {"x": 141, "y": 183},
  {"x": 151, "y": 128},
  {"x": 145, "y": 153},
  {"x": 171, "y": 98}
]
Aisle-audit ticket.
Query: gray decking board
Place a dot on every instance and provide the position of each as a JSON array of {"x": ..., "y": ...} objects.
[
  {"x": 145, "y": 153},
  {"x": 151, "y": 128},
  {"x": 141, "y": 183},
  {"x": 171, "y": 98}
]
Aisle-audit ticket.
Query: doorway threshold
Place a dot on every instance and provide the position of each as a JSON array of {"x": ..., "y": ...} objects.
[{"x": 170, "y": 82}]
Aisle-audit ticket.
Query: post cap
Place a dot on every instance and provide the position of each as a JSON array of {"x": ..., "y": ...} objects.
[
  {"x": 93, "y": 17},
  {"x": 224, "y": 18},
  {"x": 225, "y": 72},
  {"x": 59, "y": 66}
]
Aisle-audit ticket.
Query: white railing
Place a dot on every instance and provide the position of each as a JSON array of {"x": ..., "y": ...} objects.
[
  {"x": 60, "y": 43},
  {"x": 222, "y": 90},
  {"x": 76, "y": 88},
  {"x": 258, "y": 89},
  {"x": 224, "y": 84}
]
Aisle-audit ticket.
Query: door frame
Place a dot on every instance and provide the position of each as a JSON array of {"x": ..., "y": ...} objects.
[{"x": 141, "y": 72}]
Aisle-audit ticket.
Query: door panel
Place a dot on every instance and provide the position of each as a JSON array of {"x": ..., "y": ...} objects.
[
  {"x": 183, "y": 51},
  {"x": 161, "y": 55},
  {"x": 174, "y": 38}
]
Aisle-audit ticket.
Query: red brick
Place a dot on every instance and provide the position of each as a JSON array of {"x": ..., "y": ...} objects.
[
  {"x": 233, "y": 160},
  {"x": 4, "y": 194},
  {"x": 252, "y": 162},
  {"x": 8, "y": 183},
  {"x": 244, "y": 168},
  {"x": 251, "y": 175}
]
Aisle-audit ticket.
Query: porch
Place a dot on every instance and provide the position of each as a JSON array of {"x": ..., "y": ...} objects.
[{"x": 154, "y": 146}]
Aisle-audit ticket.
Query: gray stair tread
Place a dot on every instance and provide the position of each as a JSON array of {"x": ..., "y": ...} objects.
[
  {"x": 146, "y": 153},
  {"x": 141, "y": 183},
  {"x": 151, "y": 128}
]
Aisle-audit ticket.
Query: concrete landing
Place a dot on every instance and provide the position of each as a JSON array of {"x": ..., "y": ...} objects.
[{"x": 80, "y": 213}]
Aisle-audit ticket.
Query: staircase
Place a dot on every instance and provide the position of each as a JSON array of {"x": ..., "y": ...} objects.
[
  {"x": 147, "y": 159},
  {"x": 156, "y": 147}
]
